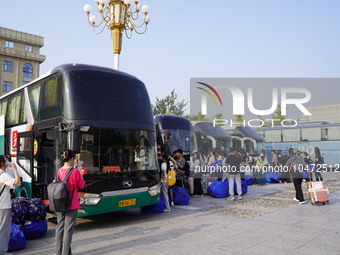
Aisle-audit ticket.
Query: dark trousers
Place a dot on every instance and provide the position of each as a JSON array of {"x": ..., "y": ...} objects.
[
  {"x": 318, "y": 176},
  {"x": 198, "y": 190},
  {"x": 64, "y": 231},
  {"x": 285, "y": 177},
  {"x": 297, "y": 180}
]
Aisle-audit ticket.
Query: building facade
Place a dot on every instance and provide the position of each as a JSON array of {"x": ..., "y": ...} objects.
[
  {"x": 329, "y": 113},
  {"x": 19, "y": 58}
]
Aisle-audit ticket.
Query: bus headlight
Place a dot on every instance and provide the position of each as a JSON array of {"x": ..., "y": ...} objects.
[
  {"x": 89, "y": 199},
  {"x": 155, "y": 190}
]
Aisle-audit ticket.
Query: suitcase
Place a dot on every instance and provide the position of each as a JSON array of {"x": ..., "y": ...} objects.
[{"x": 318, "y": 192}]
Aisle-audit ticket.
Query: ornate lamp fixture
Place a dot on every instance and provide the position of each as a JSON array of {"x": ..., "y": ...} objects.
[{"x": 118, "y": 16}]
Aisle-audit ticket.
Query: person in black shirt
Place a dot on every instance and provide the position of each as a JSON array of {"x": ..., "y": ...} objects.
[
  {"x": 233, "y": 165},
  {"x": 297, "y": 163},
  {"x": 319, "y": 161},
  {"x": 282, "y": 160}
]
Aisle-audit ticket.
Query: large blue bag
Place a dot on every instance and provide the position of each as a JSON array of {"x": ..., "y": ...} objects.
[
  {"x": 249, "y": 180},
  {"x": 17, "y": 239},
  {"x": 181, "y": 196},
  {"x": 273, "y": 177},
  {"x": 219, "y": 189},
  {"x": 19, "y": 211},
  {"x": 35, "y": 229},
  {"x": 305, "y": 175},
  {"x": 36, "y": 210},
  {"x": 244, "y": 188},
  {"x": 156, "y": 208}
]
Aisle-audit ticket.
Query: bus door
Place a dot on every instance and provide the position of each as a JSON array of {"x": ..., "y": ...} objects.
[
  {"x": 45, "y": 156},
  {"x": 25, "y": 151}
]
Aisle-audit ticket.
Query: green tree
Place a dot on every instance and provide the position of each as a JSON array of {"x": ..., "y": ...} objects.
[
  {"x": 239, "y": 118},
  {"x": 277, "y": 116},
  {"x": 169, "y": 105},
  {"x": 218, "y": 116},
  {"x": 261, "y": 118},
  {"x": 198, "y": 117}
]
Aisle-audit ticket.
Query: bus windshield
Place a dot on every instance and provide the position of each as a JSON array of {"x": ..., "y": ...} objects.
[
  {"x": 180, "y": 138},
  {"x": 118, "y": 151}
]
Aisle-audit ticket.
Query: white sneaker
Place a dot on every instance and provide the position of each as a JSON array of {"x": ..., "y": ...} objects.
[
  {"x": 297, "y": 200},
  {"x": 231, "y": 198},
  {"x": 303, "y": 202},
  {"x": 167, "y": 210},
  {"x": 172, "y": 203},
  {"x": 239, "y": 197}
]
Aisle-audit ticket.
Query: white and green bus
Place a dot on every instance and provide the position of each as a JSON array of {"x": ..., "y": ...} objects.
[{"x": 105, "y": 116}]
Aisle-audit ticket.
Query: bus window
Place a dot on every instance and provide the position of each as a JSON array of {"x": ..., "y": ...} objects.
[
  {"x": 311, "y": 134},
  {"x": 3, "y": 106},
  {"x": 272, "y": 135},
  {"x": 261, "y": 132},
  {"x": 23, "y": 117},
  {"x": 86, "y": 152},
  {"x": 34, "y": 95},
  {"x": 291, "y": 135},
  {"x": 50, "y": 103},
  {"x": 13, "y": 110},
  {"x": 333, "y": 133}
]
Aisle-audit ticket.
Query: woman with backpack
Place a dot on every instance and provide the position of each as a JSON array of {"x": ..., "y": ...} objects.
[
  {"x": 66, "y": 220},
  {"x": 6, "y": 181}
]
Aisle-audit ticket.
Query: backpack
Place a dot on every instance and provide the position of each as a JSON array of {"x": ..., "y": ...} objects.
[
  {"x": 58, "y": 195},
  {"x": 305, "y": 157},
  {"x": 171, "y": 177}
]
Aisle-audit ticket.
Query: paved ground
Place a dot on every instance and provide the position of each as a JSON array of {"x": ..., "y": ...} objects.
[{"x": 267, "y": 221}]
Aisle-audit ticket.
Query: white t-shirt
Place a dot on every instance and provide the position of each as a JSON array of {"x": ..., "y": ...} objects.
[
  {"x": 163, "y": 167},
  {"x": 11, "y": 173},
  {"x": 5, "y": 198}
]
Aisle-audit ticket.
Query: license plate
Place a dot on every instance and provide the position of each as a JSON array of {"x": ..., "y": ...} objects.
[{"x": 128, "y": 202}]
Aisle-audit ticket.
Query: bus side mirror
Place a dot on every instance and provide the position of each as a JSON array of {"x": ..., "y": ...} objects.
[{"x": 74, "y": 141}]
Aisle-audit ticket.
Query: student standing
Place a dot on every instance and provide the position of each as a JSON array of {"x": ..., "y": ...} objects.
[
  {"x": 297, "y": 163},
  {"x": 196, "y": 163},
  {"x": 164, "y": 188},
  {"x": 66, "y": 220},
  {"x": 233, "y": 165},
  {"x": 7, "y": 181},
  {"x": 319, "y": 161},
  {"x": 282, "y": 160}
]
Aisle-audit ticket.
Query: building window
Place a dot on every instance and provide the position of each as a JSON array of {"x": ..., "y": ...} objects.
[
  {"x": 25, "y": 82},
  {"x": 7, "y": 86},
  {"x": 29, "y": 48},
  {"x": 28, "y": 71},
  {"x": 9, "y": 44},
  {"x": 8, "y": 66}
]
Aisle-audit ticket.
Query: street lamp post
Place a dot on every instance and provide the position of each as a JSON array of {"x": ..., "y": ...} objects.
[{"x": 118, "y": 16}]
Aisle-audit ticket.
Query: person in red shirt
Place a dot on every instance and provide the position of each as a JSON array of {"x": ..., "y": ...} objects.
[{"x": 66, "y": 220}]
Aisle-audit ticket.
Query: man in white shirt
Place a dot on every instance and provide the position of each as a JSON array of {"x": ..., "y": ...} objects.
[{"x": 6, "y": 181}]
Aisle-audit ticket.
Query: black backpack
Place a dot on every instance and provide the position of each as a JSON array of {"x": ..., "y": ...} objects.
[{"x": 58, "y": 195}]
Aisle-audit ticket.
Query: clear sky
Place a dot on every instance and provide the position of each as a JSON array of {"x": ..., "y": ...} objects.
[{"x": 221, "y": 38}]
